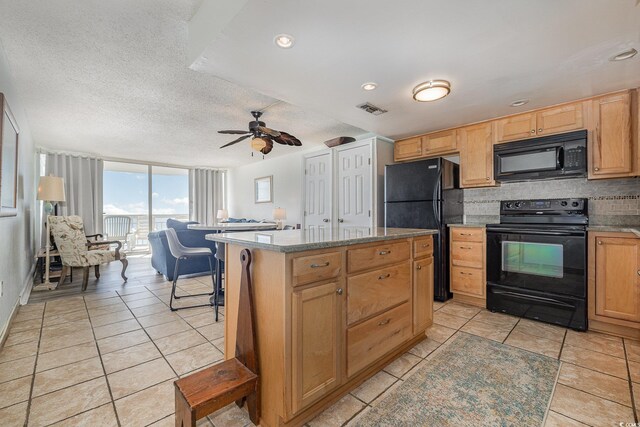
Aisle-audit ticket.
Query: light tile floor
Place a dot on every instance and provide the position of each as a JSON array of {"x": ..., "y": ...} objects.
[{"x": 110, "y": 358}]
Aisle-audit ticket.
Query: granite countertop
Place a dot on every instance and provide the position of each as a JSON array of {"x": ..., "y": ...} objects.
[
  {"x": 320, "y": 238},
  {"x": 616, "y": 228}
]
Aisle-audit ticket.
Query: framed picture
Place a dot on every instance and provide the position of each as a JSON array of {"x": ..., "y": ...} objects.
[
  {"x": 9, "y": 132},
  {"x": 264, "y": 189}
]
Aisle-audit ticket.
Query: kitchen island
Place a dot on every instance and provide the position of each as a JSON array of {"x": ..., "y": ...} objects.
[{"x": 333, "y": 307}]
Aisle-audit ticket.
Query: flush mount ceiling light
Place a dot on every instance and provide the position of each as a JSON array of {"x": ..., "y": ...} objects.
[
  {"x": 519, "y": 102},
  {"x": 431, "y": 90},
  {"x": 627, "y": 54},
  {"x": 284, "y": 41},
  {"x": 369, "y": 86}
]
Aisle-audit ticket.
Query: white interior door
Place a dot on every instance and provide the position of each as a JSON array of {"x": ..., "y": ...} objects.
[
  {"x": 317, "y": 191},
  {"x": 354, "y": 186}
]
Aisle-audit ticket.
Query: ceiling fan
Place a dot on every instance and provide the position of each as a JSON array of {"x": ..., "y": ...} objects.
[{"x": 263, "y": 137}]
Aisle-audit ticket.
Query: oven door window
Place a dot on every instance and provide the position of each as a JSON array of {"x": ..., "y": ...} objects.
[{"x": 538, "y": 259}]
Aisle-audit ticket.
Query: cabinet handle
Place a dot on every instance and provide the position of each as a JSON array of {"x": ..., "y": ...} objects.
[
  {"x": 465, "y": 247},
  {"x": 384, "y": 322},
  {"x": 466, "y": 274},
  {"x": 384, "y": 252},
  {"x": 419, "y": 267},
  {"x": 596, "y": 169},
  {"x": 325, "y": 220},
  {"x": 384, "y": 276},
  {"x": 339, "y": 291},
  {"x": 466, "y": 234},
  {"x": 540, "y": 130},
  {"x": 599, "y": 242},
  {"x": 638, "y": 272},
  {"x": 425, "y": 245},
  {"x": 487, "y": 178},
  {"x": 326, "y": 264},
  {"x": 533, "y": 131}
]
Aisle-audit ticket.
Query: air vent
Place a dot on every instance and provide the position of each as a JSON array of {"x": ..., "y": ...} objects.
[{"x": 372, "y": 109}]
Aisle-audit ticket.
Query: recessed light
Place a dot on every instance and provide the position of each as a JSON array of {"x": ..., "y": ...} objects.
[
  {"x": 431, "y": 90},
  {"x": 284, "y": 41},
  {"x": 369, "y": 86},
  {"x": 627, "y": 54},
  {"x": 519, "y": 102}
]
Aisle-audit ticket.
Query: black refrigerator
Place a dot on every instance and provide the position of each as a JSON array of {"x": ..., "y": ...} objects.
[{"x": 426, "y": 194}]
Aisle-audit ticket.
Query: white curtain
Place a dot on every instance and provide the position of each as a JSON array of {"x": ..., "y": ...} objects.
[
  {"x": 83, "y": 187},
  {"x": 206, "y": 194}
]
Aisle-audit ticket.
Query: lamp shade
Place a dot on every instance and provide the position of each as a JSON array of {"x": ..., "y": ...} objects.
[
  {"x": 279, "y": 214},
  {"x": 51, "y": 189},
  {"x": 222, "y": 214}
]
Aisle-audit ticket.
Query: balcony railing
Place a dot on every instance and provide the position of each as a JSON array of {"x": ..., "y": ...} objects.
[{"x": 137, "y": 240}]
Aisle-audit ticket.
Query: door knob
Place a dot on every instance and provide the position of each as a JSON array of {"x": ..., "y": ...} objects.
[
  {"x": 339, "y": 291},
  {"x": 340, "y": 220},
  {"x": 325, "y": 220}
]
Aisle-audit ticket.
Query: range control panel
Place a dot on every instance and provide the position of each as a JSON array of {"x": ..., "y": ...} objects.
[{"x": 544, "y": 207}]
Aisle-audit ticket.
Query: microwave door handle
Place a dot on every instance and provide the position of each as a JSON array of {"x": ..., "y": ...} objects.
[{"x": 560, "y": 158}]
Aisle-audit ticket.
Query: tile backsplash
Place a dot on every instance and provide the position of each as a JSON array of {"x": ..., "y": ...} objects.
[{"x": 611, "y": 201}]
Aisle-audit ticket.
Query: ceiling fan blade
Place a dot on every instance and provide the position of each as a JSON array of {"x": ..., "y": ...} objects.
[
  {"x": 287, "y": 139},
  {"x": 236, "y": 140},
  {"x": 272, "y": 133},
  {"x": 267, "y": 148},
  {"x": 234, "y": 132}
]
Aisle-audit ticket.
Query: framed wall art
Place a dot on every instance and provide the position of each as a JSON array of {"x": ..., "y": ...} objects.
[{"x": 9, "y": 133}]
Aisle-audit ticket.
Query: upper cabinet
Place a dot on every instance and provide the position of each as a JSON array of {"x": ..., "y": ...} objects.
[
  {"x": 563, "y": 118},
  {"x": 611, "y": 143},
  {"x": 476, "y": 155},
  {"x": 439, "y": 143},
  {"x": 407, "y": 149}
]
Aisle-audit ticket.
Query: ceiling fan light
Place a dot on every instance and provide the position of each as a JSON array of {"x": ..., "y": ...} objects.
[
  {"x": 519, "y": 103},
  {"x": 285, "y": 41},
  {"x": 627, "y": 54},
  {"x": 258, "y": 143},
  {"x": 369, "y": 86},
  {"x": 431, "y": 90}
]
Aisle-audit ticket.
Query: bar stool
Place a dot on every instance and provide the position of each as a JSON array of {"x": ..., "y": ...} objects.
[
  {"x": 220, "y": 247},
  {"x": 181, "y": 252}
]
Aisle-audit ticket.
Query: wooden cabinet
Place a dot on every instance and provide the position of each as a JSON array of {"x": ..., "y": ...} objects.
[
  {"x": 614, "y": 283},
  {"x": 611, "y": 143},
  {"x": 377, "y": 255},
  {"x": 563, "y": 118},
  {"x": 467, "y": 263},
  {"x": 476, "y": 155},
  {"x": 516, "y": 127},
  {"x": 314, "y": 268},
  {"x": 422, "y": 294},
  {"x": 407, "y": 149},
  {"x": 439, "y": 143},
  {"x": 316, "y": 312}
]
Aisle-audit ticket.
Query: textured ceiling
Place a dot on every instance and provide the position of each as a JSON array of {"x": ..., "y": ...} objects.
[
  {"x": 492, "y": 51},
  {"x": 110, "y": 78}
]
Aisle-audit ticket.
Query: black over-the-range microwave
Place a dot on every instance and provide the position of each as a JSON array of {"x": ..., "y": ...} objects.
[{"x": 555, "y": 156}]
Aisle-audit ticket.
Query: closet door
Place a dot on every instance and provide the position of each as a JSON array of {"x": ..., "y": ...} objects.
[
  {"x": 317, "y": 191},
  {"x": 354, "y": 197}
]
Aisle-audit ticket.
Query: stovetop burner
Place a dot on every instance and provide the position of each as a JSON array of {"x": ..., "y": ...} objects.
[{"x": 544, "y": 211}]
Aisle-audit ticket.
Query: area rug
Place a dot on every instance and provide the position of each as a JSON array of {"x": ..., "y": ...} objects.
[{"x": 471, "y": 382}]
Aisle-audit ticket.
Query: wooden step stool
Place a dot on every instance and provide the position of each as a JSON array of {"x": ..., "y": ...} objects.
[{"x": 234, "y": 380}]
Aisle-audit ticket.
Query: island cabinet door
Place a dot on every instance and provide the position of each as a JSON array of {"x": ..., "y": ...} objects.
[
  {"x": 316, "y": 345},
  {"x": 422, "y": 294}
]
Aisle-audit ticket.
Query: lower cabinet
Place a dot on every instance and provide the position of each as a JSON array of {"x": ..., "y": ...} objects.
[
  {"x": 422, "y": 294},
  {"x": 316, "y": 342},
  {"x": 467, "y": 264},
  {"x": 614, "y": 283}
]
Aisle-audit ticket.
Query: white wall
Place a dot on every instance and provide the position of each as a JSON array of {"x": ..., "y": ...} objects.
[
  {"x": 287, "y": 188},
  {"x": 17, "y": 233}
]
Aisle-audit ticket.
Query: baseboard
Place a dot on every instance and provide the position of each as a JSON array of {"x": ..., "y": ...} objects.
[
  {"x": 27, "y": 286},
  {"x": 5, "y": 328}
]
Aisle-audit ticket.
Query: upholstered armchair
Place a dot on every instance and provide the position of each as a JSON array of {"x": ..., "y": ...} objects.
[{"x": 76, "y": 251}]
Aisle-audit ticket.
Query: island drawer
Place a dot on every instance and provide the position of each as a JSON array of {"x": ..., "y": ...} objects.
[
  {"x": 467, "y": 254},
  {"x": 467, "y": 234},
  {"x": 469, "y": 281},
  {"x": 374, "y": 292},
  {"x": 376, "y": 337},
  {"x": 422, "y": 246},
  {"x": 378, "y": 255},
  {"x": 313, "y": 268}
]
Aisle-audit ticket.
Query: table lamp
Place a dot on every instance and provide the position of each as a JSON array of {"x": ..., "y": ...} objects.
[
  {"x": 51, "y": 191},
  {"x": 279, "y": 214},
  {"x": 222, "y": 215}
]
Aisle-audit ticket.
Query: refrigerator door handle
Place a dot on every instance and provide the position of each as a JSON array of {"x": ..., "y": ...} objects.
[{"x": 436, "y": 212}]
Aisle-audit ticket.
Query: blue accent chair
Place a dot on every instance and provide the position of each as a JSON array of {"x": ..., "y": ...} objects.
[{"x": 162, "y": 260}]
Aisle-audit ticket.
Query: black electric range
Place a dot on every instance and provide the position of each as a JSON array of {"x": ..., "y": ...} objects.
[{"x": 537, "y": 261}]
